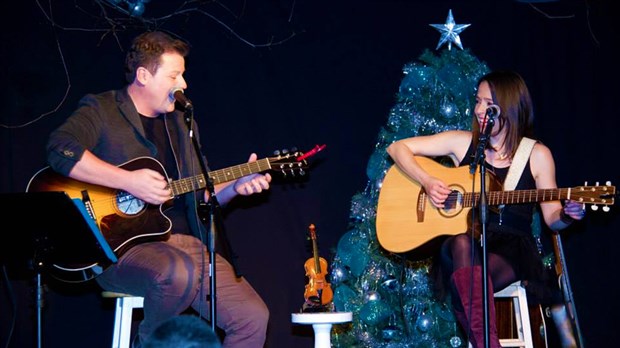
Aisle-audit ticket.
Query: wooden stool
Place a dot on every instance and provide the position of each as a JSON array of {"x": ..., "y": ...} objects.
[{"x": 125, "y": 304}]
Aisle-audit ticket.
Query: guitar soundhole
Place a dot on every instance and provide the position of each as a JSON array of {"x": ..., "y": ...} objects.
[
  {"x": 127, "y": 204},
  {"x": 453, "y": 203}
]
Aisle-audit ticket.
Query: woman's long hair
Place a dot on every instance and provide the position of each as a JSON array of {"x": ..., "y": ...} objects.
[{"x": 510, "y": 93}]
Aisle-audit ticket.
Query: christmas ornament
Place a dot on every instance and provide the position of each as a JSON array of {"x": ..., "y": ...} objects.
[
  {"x": 339, "y": 274},
  {"x": 450, "y": 32},
  {"x": 424, "y": 322},
  {"x": 455, "y": 341},
  {"x": 372, "y": 296}
]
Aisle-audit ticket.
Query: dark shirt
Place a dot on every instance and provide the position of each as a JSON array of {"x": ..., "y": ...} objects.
[{"x": 108, "y": 125}]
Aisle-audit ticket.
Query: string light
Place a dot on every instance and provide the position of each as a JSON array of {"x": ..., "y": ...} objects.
[{"x": 135, "y": 8}]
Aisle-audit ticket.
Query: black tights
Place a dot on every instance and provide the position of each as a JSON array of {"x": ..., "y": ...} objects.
[{"x": 456, "y": 252}]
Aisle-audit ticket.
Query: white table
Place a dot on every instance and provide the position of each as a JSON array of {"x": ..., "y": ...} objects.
[{"x": 322, "y": 324}]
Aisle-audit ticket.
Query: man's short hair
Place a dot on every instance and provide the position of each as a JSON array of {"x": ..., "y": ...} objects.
[{"x": 146, "y": 50}]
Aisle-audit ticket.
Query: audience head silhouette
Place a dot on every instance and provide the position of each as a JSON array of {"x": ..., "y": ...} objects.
[{"x": 183, "y": 331}]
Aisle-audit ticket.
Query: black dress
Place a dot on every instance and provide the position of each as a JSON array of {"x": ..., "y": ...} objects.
[{"x": 509, "y": 232}]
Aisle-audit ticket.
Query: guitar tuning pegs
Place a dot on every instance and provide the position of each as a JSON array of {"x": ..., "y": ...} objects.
[
  {"x": 276, "y": 152},
  {"x": 606, "y": 208},
  {"x": 608, "y": 183},
  {"x": 284, "y": 151},
  {"x": 291, "y": 170},
  {"x": 594, "y": 207},
  {"x": 294, "y": 149}
]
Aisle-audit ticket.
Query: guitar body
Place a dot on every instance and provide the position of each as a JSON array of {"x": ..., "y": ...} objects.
[
  {"x": 122, "y": 219},
  {"x": 406, "y": 219}
]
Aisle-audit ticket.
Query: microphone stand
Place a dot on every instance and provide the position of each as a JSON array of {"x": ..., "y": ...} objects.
[
  {"x": 213, "y": 204},
  {"x": 479, "y": 159},
  {"x": 38, "y": 266}
]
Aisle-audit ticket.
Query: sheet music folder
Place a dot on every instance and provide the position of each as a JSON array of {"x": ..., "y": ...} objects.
[{"x": 50, "y": 228}]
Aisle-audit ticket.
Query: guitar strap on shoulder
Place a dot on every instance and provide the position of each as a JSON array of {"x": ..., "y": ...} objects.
[{"x": 518, "y": 163}]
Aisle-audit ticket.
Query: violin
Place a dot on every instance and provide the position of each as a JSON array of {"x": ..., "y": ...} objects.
[{"x": 318, "y": 290}]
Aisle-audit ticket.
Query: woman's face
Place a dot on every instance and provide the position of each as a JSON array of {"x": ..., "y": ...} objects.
[{"x": 484, "y": 99}]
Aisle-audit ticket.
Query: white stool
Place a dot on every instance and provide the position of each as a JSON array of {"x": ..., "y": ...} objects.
[
  {"x": 322, "y": 324},
  {"x": 125, "y": 304},
  {"x": 522, "y": 316}
]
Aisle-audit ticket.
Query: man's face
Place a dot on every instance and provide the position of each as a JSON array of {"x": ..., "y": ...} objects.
[{"x": 168, "y": 76}]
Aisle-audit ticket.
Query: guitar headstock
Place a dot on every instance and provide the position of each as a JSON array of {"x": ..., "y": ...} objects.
[
  {"x": 595, "y": 195},
  {"x": 292, "y": 162}
]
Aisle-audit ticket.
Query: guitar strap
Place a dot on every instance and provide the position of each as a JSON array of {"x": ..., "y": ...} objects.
[
  {"x": 512, "y": 178},
  {"x": 518, "y": 163},
  {"x": 566, "y": 328}
]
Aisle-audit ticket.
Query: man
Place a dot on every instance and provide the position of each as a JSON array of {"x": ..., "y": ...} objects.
[{"x": 113, "y": 128}]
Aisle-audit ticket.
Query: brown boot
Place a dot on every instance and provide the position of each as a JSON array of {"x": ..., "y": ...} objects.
[{"x": 472, "y": 296}]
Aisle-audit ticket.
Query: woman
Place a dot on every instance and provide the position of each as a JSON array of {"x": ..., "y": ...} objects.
[{"x": 512, "y": 250}]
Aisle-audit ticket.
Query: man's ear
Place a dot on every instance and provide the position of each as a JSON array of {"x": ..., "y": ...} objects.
[{"x": 142, "y": 75}]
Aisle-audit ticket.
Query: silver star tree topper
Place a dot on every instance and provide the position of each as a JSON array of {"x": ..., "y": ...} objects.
[{"x": 450, "y": 32}]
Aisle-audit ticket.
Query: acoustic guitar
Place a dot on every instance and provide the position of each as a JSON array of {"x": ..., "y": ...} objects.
[
  {"x": 125, "y": 220},
  {"x": 406, "y": 219}
]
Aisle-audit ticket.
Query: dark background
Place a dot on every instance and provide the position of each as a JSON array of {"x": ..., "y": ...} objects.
[{"x": 269, "y": 75}]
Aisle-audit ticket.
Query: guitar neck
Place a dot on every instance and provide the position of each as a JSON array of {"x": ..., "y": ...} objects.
[
  {"x": 518, "y": 196},
  {"x": 219, "y": 176}
]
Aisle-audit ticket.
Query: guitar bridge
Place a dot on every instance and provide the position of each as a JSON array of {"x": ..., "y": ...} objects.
[
  {"x": 420, "y": 206},
  {"x": 88, "y": 204}
]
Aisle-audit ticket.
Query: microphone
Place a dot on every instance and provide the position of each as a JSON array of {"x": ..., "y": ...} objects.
[
  {"x": 178, "y": 95},
  {"x": 493, "y": 111}
]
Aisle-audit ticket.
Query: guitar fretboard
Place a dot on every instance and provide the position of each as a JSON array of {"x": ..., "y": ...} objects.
[
  {"x": 219, "y": 176},
  {"x": 238, "y": 171},
  {"x": 518, "y": 196}
]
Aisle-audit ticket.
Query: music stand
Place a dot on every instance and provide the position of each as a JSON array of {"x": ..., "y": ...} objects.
[{"x": 51, "y": 229}]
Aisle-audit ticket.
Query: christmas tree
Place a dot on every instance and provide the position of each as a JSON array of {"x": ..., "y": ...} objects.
[{"x": 390, "y": 296}]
